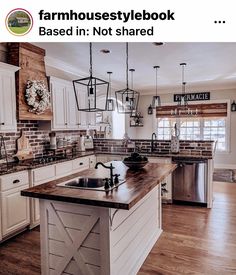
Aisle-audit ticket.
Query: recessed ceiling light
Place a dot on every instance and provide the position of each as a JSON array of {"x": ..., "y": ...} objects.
[
  {"x": 105, "y": 51},
  {"x": 158, "y": 43}
]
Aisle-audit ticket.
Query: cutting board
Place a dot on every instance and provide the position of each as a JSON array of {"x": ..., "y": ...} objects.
[{"x": 24, "y": 149}]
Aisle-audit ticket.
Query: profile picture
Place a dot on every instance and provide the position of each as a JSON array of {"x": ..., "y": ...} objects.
[{"x": 19, "y": 22}]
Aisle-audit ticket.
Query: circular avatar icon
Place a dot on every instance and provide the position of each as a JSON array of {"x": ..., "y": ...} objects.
[{"x": 19, "y": 22}]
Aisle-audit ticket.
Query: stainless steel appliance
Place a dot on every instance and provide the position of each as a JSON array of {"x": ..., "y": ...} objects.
[{"x": 189, "y": 180}]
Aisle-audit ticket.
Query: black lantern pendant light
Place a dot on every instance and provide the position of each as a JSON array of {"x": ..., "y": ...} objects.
[
  {"x": 127, "y": 99},
  {"x": 110, "y": 100},
  {"x": 156, "y": 100},
  {"x": 91, "y": 92}
]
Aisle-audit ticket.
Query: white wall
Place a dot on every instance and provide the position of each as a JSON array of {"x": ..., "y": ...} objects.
[{"x": 221, "y": 159}]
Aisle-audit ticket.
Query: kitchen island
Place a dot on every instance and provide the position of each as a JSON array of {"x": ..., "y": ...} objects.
[{"x": 98, "y": 232}]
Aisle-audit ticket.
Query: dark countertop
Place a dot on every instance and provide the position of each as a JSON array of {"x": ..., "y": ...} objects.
[
  {"x": 137, "y": 185},
  {"x": 157, "y": 155},
  {"x": 30, "y": 164}
]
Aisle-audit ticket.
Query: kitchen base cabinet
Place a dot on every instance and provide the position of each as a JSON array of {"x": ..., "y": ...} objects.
[
  {"x": 82, "y": 239},
  {"x": 107, "y": 158},
  {"x": 15, "y": 212},
  {"x": 39, "y": 176}
]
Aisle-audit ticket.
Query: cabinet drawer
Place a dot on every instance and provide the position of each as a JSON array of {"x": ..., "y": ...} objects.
[
  {"x": 80, "y": 164},
  {"x": 63, "y": 169},
  {"x": 92, "y": 161},
  {"x": 14, "y": 180},
  {"x": 44, "y": 174}
]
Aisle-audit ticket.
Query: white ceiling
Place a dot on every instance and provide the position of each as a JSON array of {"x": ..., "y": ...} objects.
[{"x": 209, "y": 65}]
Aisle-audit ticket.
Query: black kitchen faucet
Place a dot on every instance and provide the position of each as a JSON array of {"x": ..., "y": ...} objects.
[{"x": 108, "y": 167}]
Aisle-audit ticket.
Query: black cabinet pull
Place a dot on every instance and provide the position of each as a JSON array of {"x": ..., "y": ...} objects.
[
  {"x": 81, "y": 163},
  {"x": 2, "y": 123},
  {"x": 16, "y": 181}
]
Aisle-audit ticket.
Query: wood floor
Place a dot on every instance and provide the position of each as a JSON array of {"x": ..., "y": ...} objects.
[{"x": 195, "y": 241}]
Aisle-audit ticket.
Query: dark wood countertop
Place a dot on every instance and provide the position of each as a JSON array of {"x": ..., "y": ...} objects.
[{"x": 137, "y": 185}]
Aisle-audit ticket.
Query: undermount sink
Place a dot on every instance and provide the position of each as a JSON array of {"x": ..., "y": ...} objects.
[{"x": 88, "y": 183}]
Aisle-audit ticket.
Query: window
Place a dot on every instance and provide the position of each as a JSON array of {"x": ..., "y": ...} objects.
[
  {"x": 196, "y": 129},
  {"x": 215, "y": 129}
]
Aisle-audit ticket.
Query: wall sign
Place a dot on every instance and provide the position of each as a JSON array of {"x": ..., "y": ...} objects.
[{"x": 193, "y": 96}]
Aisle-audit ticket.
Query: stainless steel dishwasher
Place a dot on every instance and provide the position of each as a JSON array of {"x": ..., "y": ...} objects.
[{"x": 189, "y": 180}]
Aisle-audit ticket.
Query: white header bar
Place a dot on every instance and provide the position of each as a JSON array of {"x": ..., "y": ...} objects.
[{"x": 119, "y": 21}]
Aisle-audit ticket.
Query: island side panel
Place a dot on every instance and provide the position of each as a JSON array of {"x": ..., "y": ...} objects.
[
  {"x": 133, "y": 233},
  {"x": 89, "y": 240},
  {"x": 70, "y": 238}
]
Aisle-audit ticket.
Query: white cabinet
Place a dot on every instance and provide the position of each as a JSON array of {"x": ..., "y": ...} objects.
[
  {"x": 91, "y": 119},
  {"x": 107, "y": 158},
  {"x": 14, "y": 208},
  {"x": 80, "y": 164},
  {"x": 7, "y": 98},
  {"x": 63, "y": 169},
  {"x": 92, "y": 161},
  {"x": 39, "y": 176},
  {"x": 65, "y": 114}
]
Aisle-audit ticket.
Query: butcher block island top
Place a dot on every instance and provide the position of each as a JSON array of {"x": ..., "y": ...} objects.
[{"x": 137, "y": 184}]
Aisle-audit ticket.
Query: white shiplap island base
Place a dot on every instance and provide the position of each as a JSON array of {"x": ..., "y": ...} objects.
[
  {"x": 91, "y": 240},
  {"x": 89, "y": 232}
]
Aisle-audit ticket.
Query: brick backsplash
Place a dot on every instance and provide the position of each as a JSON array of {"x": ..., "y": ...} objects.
[
  {"x": 188, "y": 147},
  {"x": 38, "y": 138}
]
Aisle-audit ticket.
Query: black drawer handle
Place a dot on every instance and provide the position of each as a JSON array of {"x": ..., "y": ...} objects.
[
  {"x": 2, "y": 123},
  {"x": 16, "y": 181},
  {"x": 81, "y": 163}
]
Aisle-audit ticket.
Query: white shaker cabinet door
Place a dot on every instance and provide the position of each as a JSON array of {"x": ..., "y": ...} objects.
[
  {"x": 59, "y": 106},
  {"x": 72, "y": 112},
  {"x": 7, "y": 98},
  {"x": 15, "y": 210},
  {"x": 82, "y": 116}
]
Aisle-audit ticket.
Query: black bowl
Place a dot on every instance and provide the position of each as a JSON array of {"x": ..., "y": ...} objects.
[{"x": 135, "y": 165}]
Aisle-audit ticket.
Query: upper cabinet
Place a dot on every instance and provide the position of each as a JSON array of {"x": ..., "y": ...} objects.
[
  {"x": 7, "y": 98},
  {"x": 65, "y": 114}
]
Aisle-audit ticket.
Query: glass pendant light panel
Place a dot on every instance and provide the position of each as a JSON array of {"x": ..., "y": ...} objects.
[
  {"x": 127, "y": 101},
  {"x": 110, "y": 104},
  {"x": 156, "y": 101},
  {"x": 110, "y": 100}
]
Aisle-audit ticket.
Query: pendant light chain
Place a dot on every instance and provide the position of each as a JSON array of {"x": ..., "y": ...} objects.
[
  {"x": 127, "y": 65},
  {"x": 183, "y": 82},
  {"x": 91, "y": 59},
  {"x": 110, "y": 84},
  {"x": 132, "y": 80},
  {"x": 156, "y": 80}
]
